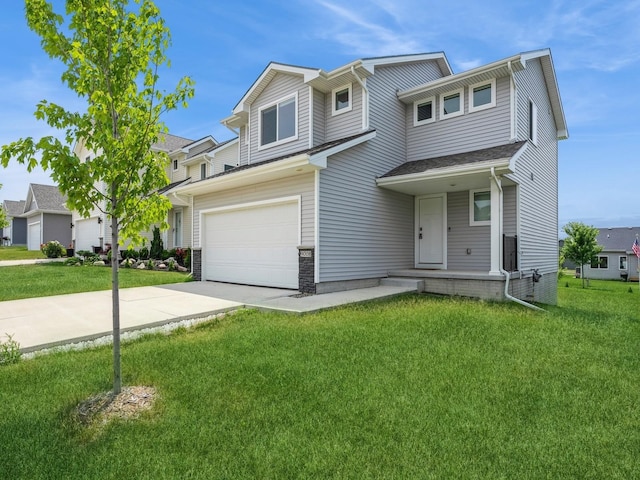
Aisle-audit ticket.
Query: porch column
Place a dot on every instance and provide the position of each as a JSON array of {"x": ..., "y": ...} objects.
[{"x": 496, "y": 225}]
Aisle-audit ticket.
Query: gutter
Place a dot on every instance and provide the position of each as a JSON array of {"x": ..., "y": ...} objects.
[{"x": 502, "y": 270}]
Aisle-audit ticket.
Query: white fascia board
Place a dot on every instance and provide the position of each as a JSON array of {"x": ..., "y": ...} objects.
[
  {"x": 320, "y": 159},
  {"x": 188, "y": 147},
  {"x": 502, "y": 164},
  {"x": 467, "y": 76},
  {"x": 371, "y": 63}
]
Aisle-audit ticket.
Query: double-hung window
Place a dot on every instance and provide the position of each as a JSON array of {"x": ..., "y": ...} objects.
[
  {"x": 279, "y": 122},
  {"x": 424, "y": 111},
  {"x": 622, "y": 262},
  {"x": 452, "y": 104},
  {"x": 482, "y": 95}
]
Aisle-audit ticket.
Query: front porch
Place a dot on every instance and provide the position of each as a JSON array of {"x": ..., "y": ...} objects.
[{"x": 461, "y": 283}]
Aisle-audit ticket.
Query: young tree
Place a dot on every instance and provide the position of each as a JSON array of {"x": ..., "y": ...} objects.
[
  {"x": 580, "y": 245},
  {"x": 112, "y": 52},
  {"x": 4, "y": 222}
]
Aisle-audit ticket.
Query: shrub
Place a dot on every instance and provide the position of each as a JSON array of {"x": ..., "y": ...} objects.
[
  {"x": 187, "y": 258},
  {"x": 9, "y": 351},
  {"x": 73, "y": 261},
  {"x": 156, "y": 245},
  {"x": 144, "y": 253},
  {"x": 53, "y": 249},
  {"x": 84, "y": 253},
  {"x": 179, "y": 255},
  {"x": 165, "y": 254},
  {"x": 150, "y": 265}
]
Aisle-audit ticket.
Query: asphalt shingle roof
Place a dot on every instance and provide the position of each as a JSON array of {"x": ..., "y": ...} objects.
[
  {"x": 476, "y": 156},
  {"x": 617, "y": 239},
  {"x": 172, "y": 142},
  {"x": 49, "y": 198},
  {"x": 14, "y": 208}
]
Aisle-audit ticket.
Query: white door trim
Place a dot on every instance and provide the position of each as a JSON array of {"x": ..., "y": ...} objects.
[
  {"x": 178, "y": 239},
  {"x": 443, "y": 265}
]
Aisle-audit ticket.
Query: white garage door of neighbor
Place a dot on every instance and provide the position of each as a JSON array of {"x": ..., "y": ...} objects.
[
  {"x": 87, "y": 234},
  {"x": 34, "y": 236},
  {"x": 254, "y": 246}
]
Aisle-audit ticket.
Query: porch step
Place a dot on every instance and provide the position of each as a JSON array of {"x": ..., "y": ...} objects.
[{"x": 413, "y": 283}]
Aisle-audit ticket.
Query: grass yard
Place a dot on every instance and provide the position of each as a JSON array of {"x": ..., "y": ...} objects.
[
  {"x": 27, "y": 281},
  {"x": 412, "y": 387},
  {"x": 19, "y": 253}
]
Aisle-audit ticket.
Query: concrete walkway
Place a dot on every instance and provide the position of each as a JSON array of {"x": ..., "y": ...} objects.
[
  {"x": 44, "y": 322},
  {"x": 13, "y": 263}
]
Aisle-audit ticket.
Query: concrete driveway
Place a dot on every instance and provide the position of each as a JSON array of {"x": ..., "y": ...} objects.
[{"x": 43, "y": 322}]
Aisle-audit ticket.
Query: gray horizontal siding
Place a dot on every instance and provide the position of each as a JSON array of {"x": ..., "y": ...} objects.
[
  {"x": 461, "y": 236},
  {"x": 319, "y": 124},
  {"x": 227, "y": 156},
  {"x": 344, "y": 124},
  {"x": 510, "y": 211},
  {"x": 365, "y": 231},
  {"x": 243, "y": 146},
  {"x": 279, "y": 88},
  {"x": 471, "y": 131},
  {"x": 303, "y": 185},
  {"x": 537, "y": 176}
]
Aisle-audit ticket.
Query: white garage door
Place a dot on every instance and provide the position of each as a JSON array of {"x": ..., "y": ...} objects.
[
  {"x": 254, "y": 245},
  {"x": 34, "y": 236},
  {"x": 87, "y": 234}
]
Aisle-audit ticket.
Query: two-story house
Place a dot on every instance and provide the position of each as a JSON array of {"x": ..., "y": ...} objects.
[
  {"x": 189, "y": 160},
  {"x": 391, "y": 166}
]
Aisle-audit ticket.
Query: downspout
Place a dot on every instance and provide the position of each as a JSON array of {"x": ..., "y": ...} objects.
[
  {"x": 365, "y": 100},
  {"x": 513, "y": 101},
  {"x": 502, "y": 270}
]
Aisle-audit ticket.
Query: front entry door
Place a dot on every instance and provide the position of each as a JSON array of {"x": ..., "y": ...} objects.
[{"x": 431, "y": 232}]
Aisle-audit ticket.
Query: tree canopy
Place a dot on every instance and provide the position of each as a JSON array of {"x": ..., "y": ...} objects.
[
  {"x": 581, "y": 245},
  {"x": 113, "y": 51}
]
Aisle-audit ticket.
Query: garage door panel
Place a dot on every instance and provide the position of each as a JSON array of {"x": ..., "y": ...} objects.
[
  {"x": 34, "y": 236},
  {"x": 87, "y": 234},
  {"x": 256, "y": 246}
]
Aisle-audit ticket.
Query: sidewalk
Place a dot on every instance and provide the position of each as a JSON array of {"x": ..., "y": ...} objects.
[
  {"x": 13, "y": 263},
  {"x": 45, "y": 322}
]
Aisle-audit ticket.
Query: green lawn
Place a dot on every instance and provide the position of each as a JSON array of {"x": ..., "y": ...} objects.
[
  {"x": 19, "y": 253},
  {"x": 27, "y": 281},
  {"x": 413, "y": 387}
]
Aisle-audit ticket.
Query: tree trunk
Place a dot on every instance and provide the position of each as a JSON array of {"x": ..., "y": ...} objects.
[{"x": 115, "y": 300}]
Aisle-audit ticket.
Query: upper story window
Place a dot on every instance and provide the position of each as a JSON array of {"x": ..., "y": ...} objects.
[
  {"x": 479, "y": 207},
  {"x": 451, "y": 104},
  {"x": 423, "y": 111},
  {"x": 482, "y": 95},
  {"x": 203, "y": 170},
  {"x": 533, "y": 122},
  {"x": 175, "y": 164},
  {"x": 341, "y": 100},
  {"x": 278, "y": 122}
]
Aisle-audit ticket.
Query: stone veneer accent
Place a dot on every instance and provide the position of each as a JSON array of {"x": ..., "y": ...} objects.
[
  {"x": 196, "y": 264},
  {"x": 306, "y": 270}
]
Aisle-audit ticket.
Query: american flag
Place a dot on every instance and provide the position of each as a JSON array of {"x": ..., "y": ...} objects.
[{"x": 636, "y": 248}]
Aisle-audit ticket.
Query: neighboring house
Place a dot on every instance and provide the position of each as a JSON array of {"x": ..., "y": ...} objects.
[
  {"x": 189, "y": 160},
  {"x": 16, "y": 231},
  {"x": 617, "y": 260},
  {"x": 389, "y": 167},
  {"x": 47, "y": 216}
]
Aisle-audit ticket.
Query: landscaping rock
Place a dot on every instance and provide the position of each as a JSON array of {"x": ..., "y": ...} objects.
[
  {"x": 141, "y": 267},
  {"x": 180, "y": 268},
  {"x": 162, "y": 266},
  {"x": 99, "y": 263}
]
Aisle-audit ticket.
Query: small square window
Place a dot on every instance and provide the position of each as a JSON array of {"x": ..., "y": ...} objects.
[
  {"x": 482, "y": 96},
  {"x": 451, "y": 104},
  {"x": 423, "y": 111},
  {"x": 341, "y": 100},
  {"x": 480, "y": 207}
]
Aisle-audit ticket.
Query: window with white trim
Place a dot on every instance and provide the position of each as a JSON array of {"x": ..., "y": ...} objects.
[
  {"x": 482, "y": 95},
  {"x": 479, "y": 207},
  {"x": 452, "y": 104},
  {"x": 600, "y": 262},
  {"x": 533, "y": 122},
  {"x": 424, "y": 111},
  {"x": 175, "y": 164},
  {"x": 341, "y": 100},
  {"x": 278, "y": 122},
  {"x": 203, "y": 170},
  {"x": 622, "y": 262}
]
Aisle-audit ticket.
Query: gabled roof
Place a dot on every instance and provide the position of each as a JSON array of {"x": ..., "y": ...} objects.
[
  {"x": 168, "y": 143},
  {"x": 326, "y": 81},
  {"x": 14, "y": 208},
  {"x": 501, "y": 68},
  {"x": 619, "y": 239},
  {"x": 45, "y": 199}
]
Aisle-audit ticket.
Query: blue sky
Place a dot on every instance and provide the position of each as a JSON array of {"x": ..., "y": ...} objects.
[{"x": 224, "y": 46}]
